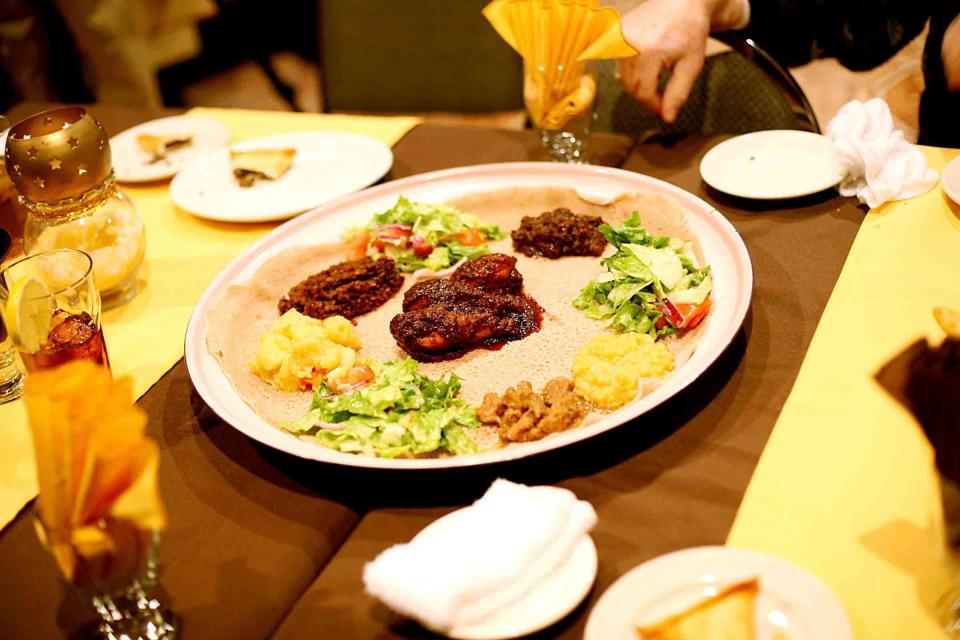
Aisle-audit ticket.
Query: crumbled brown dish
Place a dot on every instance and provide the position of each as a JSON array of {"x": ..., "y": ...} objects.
[
  {"x": 347, "y": 289},
  {"x": 522, "y": 415},
  {"x": 558, "y": 233}
]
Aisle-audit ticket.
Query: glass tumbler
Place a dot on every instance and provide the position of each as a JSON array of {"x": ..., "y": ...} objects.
[
  {"x": 560, "y": 101},
  {"x": 51, "y": 309},
  {"x": 120, "y": 585}
]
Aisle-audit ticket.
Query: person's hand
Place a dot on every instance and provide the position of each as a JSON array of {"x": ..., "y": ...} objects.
[
  {"x": 950, "y": 52},
  {"x": 671, "y": 34}
]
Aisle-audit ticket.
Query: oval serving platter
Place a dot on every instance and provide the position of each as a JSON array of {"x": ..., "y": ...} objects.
[{"x": 722, "y": 248}]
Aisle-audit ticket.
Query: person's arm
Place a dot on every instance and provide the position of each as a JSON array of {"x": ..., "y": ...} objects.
[{"x": 672, "y": 34}]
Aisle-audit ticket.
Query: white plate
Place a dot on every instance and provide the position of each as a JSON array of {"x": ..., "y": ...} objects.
[
  {"x": 772, "y": 165},
  {"x": 722, "y": 247},
  {"x": 791, "y": 600},
  {"x": 950, "y": 179},
  {"x": 132, "y": 164},
  {"x": 328, "y": 164},
  {"x": 549, "y": 601}
]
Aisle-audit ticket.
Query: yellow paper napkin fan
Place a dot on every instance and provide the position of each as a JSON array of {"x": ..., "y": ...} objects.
[
  {"x": 98, "y": 502},
  {"x": 555, "y": 39}
]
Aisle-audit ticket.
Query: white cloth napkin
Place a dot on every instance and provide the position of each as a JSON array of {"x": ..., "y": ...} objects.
[
  {"x": 487, "y": 557},
  {"x": 880, "y": 165}
]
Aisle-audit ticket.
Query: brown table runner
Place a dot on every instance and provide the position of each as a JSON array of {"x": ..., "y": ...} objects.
[
  {"x": 672, "y": 478},
  {"x": 249, "y": 528}
]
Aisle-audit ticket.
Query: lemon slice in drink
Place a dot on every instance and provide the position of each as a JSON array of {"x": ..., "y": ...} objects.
[{"x": 28, "y": 313}]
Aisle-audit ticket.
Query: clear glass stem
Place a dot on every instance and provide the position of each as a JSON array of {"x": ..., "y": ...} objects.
[
  {"x": 564, "y": 146},
  {"x": 134, "y": 615}
]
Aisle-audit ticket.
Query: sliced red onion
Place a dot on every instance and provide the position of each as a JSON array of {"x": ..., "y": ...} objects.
[
  {"x": 672, "y": 313},
  {"x": 403, "y": 228},
  {"x": 354, "y": 387}
]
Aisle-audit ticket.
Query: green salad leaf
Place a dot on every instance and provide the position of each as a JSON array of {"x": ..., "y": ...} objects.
[
  {"x": 402, "y": 412},
  {"x": 425, "y": 236},
  {"x": 644, "y": 276}
]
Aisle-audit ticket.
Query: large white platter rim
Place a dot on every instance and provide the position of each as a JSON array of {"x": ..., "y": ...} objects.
[{"x": 722, "y": 247}]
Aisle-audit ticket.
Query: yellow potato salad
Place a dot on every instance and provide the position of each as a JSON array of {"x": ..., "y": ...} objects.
[{"x": 300, "y": 352}]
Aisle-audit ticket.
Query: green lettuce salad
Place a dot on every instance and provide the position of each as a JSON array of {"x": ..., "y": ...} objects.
[
  {"x": 402, "y": 412},
  {"x": 422, "y": 236},
  {"x": 651, "y": 286}
]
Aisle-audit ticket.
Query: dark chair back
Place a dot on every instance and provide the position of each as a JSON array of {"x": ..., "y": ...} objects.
[
  {"x": 738, "y": 91},
  {"x": 415, "y": 56}
]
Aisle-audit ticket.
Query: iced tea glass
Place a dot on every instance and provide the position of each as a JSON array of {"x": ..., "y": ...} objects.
[{"x": 51, "y": 309}]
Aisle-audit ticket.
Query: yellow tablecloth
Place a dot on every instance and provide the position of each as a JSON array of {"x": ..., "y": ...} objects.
[
  {"x": 145, "y": 337},
  {"x": 846, "y": 485}
]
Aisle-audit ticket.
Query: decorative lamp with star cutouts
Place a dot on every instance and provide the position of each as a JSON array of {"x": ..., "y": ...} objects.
[{"x": 60, "y": 163}]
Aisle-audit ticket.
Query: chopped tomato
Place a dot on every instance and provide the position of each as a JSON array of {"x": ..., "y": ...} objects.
[
  {"x": 660, "y": 323},
  {"x": 358, "y": 374},
  {"x": 470, "y": 237},
  {"x": 357, "y": 246},
  {"x": 355, "y": 378},
  {"x": 421, "y": 248},
  {"x": 693, "y": 314}
]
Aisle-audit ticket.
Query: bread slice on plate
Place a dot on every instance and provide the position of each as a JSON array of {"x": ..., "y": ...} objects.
[
  {"x": 728, "y": 615},
  {"x": 260, "y": 164}
]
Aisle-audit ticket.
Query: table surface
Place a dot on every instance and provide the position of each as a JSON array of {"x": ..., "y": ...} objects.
[{"x": 261, "y": 544}]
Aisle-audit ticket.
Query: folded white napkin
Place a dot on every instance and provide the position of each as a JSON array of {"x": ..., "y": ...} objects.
[
  {"x": 880, "y": 165},
  {"x": 488, "y": 556}
]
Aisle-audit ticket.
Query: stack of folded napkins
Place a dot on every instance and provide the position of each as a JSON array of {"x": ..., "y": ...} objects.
[
  {"x": 490, "y": 555},
  {"x": 880, "y": 165}
]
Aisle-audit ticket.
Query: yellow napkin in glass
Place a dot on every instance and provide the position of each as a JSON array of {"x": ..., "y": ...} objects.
[
  {"x": 555, "y": 39},
  {"x": 98, "y": 501}
]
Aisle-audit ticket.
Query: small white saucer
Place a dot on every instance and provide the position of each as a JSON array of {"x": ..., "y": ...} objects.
[
  {"x": 328, "y": 164},
  {"x": 772, "y": 165},
  {"x": 950, "y": 179},
  {"x": 133, "y": 164},
  {"x": 556, "y": 596},
  {"x": 791, "y": 601}
]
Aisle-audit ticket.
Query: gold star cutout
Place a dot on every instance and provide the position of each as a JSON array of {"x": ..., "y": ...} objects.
[
  {"x": 33, "y": 152},
  {"x": 81, "y": 168},
  {"x": 55, "y": 164},
  {"x": 73, "y": 142},
  {"x": 40, "y": 182}
]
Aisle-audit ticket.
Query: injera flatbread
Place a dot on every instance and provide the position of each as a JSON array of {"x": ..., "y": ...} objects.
[{"x": 246, "y": 311}]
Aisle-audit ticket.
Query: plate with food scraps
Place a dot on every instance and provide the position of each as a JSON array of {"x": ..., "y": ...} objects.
[
  {"x": 772, "y": 165},
  {"x": 158, "y": 149},
  {"x": 744, "y": 593},
  {"x": 278, "y": 177},
  {"x": 462, "y": 349}
]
